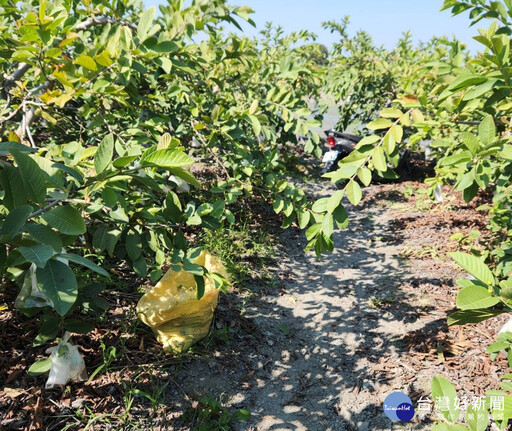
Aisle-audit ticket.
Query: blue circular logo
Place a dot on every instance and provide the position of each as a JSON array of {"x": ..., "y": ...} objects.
[{"x": 398, "y": 407}]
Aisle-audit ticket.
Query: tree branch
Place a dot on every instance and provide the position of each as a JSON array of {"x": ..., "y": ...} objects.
[
  {"x": 17, "y": 75},
  {"x": 103, "y": 20},
  {"x": 29, "y": 115},
  {"x": 45, "y": 208},
  {"x": 469, "y": 123}
]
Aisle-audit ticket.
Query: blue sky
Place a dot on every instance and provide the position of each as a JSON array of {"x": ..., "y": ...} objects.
[{"x": 385, "y": 20}]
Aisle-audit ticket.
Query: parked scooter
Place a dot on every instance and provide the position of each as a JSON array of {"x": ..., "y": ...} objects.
[{"x": 339, "y": 145}]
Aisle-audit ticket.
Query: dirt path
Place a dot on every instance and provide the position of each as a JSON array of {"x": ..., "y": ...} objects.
[
  {"x": 317, "y": 367},
  {"x": 324, "y": 350},
  {"x": 320, "y": 362}
]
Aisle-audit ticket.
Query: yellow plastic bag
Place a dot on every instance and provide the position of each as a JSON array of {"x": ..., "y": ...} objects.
[{"x": 172, "y": 310}]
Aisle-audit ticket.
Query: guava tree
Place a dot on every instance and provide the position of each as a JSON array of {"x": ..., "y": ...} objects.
[
  {"x": 462, "y": 104},
  {"x": 126, "y": 133}
]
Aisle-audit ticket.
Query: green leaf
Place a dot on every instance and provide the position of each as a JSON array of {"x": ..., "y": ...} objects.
[
  {"x": 66, "y": 220},
  {"x": 38, "y": 254},
  {"x": 255, "y": 123},
  {"x": 456, "y": 159},
  {"x": 341, "y": 217},
  {"x": 320, "y": 205},
  {"x": 155, "y": 275},
  {"x": 343, "y": 173},
  {"x": 165, "y": 47},
  {"x": 12, "y": 184},
  {"x": 33, "y": 177},
  {"x": 187, "y": 176},
  {"x": 497, "y": 347},
  {"x": 110, "y": 197},
  {"x": 474, "y": 266},
  {"x": 49, "y": 329},
  {"x": 243, "y": 415},
  {"x": 133, "y": 245},
  {"x": 506, "y": 289},
  {"x": 147, "y": 182},
  {"x": 210, "y": 222},
  {"x": 121, "y": 162},
  {"x": 379, "y": 159},
  {"x": 417, "y": 116},
  {"x": 278, "y": 204},
  {"x": 58, "y": 283},
  {"x": 103, "y": 59},
  {"x": 105, "y": 238},
  {"x": 328, "y": 225},
  {"x": 507, "y": 411},
  {"x": 166, "y": 159},
  {"x": 199, "y": 285},
  {"x": 80, "y": 260},
  {"x": 388, "y": 144},
  {"x": 284, "y": 329},
  {"x": 40, "y": 367},
  {"x": 365, "y": 176},
  {"x": 303, "y": 218},
  {"x": 334, "y": 200},
  {"x": 53, "y": 174},
  {"x": 42, "y": 9},
  {"x": 172, "y": 209},
  {"x": 368, "y": 140},
  {"x": 475, "y": 297},
  {"x": 466, "y": 81},
  {"x": 87, "y": 62},
  {"x": 105, "y": 153},
  {"x": 471, "y": 316},
  {"x": 397, "y": 132},
  {"x": 145, "y": 23},
  {"x": 165, "y": 64},
  {"x": 72, "y": 172},
  {"x": 479, "y": 90},
  {"x": 244, "y": 12},
  {"x": 193, "y": 268},
  {"x": 44, "y": 235},
  {"x": 313, "y": 230},
  {"x": 165, "y": 141},
  {"x": 194, "y": 220},
  {"x": 354, "y": 192},
  {"x": 140, "y": 267},
  {"x": 7, "y": 147},
  {"x": 470, "y": 192},
  {"x": 15, "y": 220},
  {"x": 78, "y": 326},
  {"x": 466, "y": 180},
  {"x": 126, "y": 38},
  {"x": 471, "y": 142},
  {"x": 441, "y": 387},
  {"x": 487, "y": 131},
  {"x": 391, "y": 113},
  {"x": 380, "y": 123}
]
